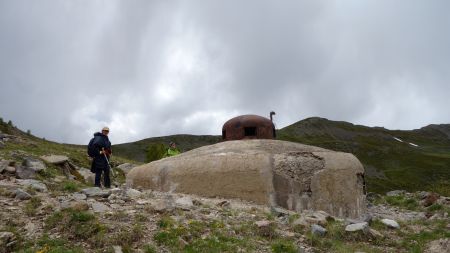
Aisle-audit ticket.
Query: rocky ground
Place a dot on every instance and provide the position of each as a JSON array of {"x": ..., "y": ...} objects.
[{"x": 48, "y": 204}]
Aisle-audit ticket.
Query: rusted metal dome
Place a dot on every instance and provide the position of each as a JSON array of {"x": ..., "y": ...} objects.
[{"x": 248, "y": 127}]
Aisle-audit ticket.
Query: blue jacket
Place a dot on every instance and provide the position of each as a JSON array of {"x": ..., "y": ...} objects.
[{"x": 101, "y": 142}]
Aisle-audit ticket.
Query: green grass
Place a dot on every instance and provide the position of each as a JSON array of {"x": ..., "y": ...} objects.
[
  {"x": 283, "y": 246},
  {"x": 51, "y": 245},
  {"x": 79, "y": 224},
  {"x": 200, "y": 236},
  {"x": 31, "y": 206}
]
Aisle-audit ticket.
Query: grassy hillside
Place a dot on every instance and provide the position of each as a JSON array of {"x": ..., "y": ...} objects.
[
  {"x": 138, "y": 150},
  {"x": 389, "y": 163},
  {"x": 24, "y": 145}
]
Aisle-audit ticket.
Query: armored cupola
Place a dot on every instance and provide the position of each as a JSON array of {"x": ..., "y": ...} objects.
[{"x": 248, "y": 127}]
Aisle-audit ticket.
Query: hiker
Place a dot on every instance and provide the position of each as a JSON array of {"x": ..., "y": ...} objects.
[
  {"x": 100, "y": 150},
  {"x": 172, "y": 150}
]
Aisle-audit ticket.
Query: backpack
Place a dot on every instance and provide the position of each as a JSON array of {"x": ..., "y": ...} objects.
[{"x": 91, "y": 150}]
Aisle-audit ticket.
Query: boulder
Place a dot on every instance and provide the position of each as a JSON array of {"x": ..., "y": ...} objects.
[
  {"x": 133, "y": 194},
  {"x": 357, "y": 227},
  {"x": 55, "y": 159},
  {"x": 430, "y": 199},
  {"x": 3, "y": 165},
  {"x": 390, "y": 223},
  {"x": 318, "y": 230},
  {"x": 395, "y": 193},
  {"x": 126, "y": 167},
  {"x": 21, "y": 195},
  {"x": 184, "y": 202},
  {"x": 88, "y": 176},
  {"x": 100, "y": 207},
  {"x": 33, "y": 164},
  {"x": 96, "y": 192},
  {"x": 34, "y": 184},
  {"x": 5, "y": 239},
  {"x": 278, "y": 173},
  {"x": 22, "y": 172},
  {"x": 438, "y": 246}
]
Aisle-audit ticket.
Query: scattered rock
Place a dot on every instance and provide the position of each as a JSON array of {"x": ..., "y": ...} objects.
[
  {"x": 133, "y": 194},
  {"x": 126, "y": 167},
  {"x": 374, "y": 233},
  {"x": 265, "y": 228},
  {"x": 79, "y": 196},
  {"x": 10, "y": 170},
  {"x": 318, "y": 230},
  {"x": 184, "y": 202},
  {"x": 390, "y": 223},
  {"x": 78, "y": 205},
  {"x": 358, "y": 227},
  {"x": 96, "y": 192},
  {"x": 3, "y": 165},
  {"x": 34, "y": 184},
  {"x": 161, "y": 206},
  {"x": 117, "y": 249},
  {"x": 24, "y": 173},
  {"x": 33, "y": 164},
  {"x": 88, "y": 176},
  {"x": 395, "y": 193},
  {"x": 5, "y": 239},
  {"x": 317, "y": 217},
  {"x": 430, "y": 199},
  {"x": 438, "y": 246},
  {"x": 224, "y": 203},
  {"x": 100, "y": 207},
  {"x": 21, "y": 194},
  {"x": 55, "y": 159},
  {"x": 278, "y": 211}
]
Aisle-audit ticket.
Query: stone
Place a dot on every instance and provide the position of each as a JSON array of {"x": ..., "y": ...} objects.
[
  {"x": 33, "y": 164},
  {"x": 21, "y": 195},
  {"x": 390, "y": 223},
  {"x": 222, "y": 204},
  {"x": 317, "y": 217},
  {"x": 34, "y": 184},
  {"x": 161, "y": 206},
  {"x": 88, "y": 176},
  {"x": 279, "y": 212},
  {"x": 79, "y": 196},
  {"x": 318, "y": 230},
  {"x": 10, "y": 170},
  {"x": 94, "y": 192},
  {"x": 265, "y": 228},
  {"x": 77, "y": 205},
  {"x": 395, "y": 193},
  {"x": 3, "y": 165},
  {"x": 126, "y": 167},
  {"x": 430, "y": 199},
  {"x": 293, "y": 176},
  {"x": 438, "y": 246},
  {"x": 55, "y": 159},
  {"x": 357, "y": 227},
  {"x": 374, "y": 233},
  {"x": 133, "y": 193},
  {"x": 117, "y": 249},
  {"x": 5, "y": 239},
  {"x": 184, "y": 202},
  {"x": 100, "y": 207},
  {"x": 24, "y": 173}
]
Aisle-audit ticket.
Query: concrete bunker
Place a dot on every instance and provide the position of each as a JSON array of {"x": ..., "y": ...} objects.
[{"x": 277, "y": 173}]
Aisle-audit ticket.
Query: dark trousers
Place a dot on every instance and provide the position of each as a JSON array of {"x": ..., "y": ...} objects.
[{"x": 98, "y": 175}]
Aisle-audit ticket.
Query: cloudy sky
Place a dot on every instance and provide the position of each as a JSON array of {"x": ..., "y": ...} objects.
[{"x": 152, "y": 68}]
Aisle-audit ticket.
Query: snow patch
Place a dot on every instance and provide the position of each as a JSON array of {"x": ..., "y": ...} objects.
[
  {"x": 397, "y": 139},
  {"x": 412, "y": 144}
]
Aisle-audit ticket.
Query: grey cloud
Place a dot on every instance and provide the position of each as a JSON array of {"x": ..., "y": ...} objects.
[{"x": 149, "y": 68}]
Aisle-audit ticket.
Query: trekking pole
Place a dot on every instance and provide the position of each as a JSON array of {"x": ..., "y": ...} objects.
[{"x": 112, "y": 172}]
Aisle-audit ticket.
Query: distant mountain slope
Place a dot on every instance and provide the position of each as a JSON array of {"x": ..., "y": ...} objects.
[
  {"x": 138, "y": 150},
  {"x": 393, "y": 159}
]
